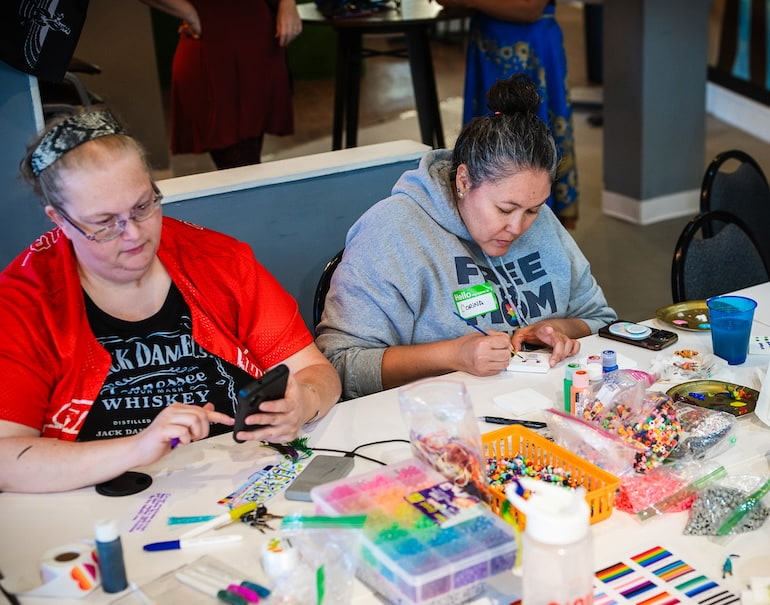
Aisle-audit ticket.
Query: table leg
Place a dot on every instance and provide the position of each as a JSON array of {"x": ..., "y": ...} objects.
[
  {"x": 340, "y": 86},
  {"x": 353, "y": 88},
  {"x": 347, "y": 87},
  {"x": 424, "y": 84}
]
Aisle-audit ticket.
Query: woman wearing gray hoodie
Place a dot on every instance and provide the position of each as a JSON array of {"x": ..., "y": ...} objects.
[{"x": 467, "y": 233}]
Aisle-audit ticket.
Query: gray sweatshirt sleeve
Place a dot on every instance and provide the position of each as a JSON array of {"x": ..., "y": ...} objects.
[{"x": 365, "y": 313}]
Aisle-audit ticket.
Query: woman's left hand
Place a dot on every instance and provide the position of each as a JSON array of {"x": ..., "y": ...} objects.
[
  {"x": 284, "y": 417},
  {"x": 288, "y": 25},
  {"x": 552, "y": 333}
]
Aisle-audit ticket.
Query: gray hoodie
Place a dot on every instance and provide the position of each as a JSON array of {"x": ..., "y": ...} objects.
[{"x": 407, "y": 255}]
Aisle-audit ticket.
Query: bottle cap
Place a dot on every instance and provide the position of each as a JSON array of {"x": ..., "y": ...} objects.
[
  {"x": 580, "y": 379},
  {"x": 555, "y": 515},
  {"x": 594, "y": 372},
  {"x": 570, "y": 370},
  {"x": 106, "y": 530},
  {"x": 594, "y": 359},
  {"x": 609, "y": 360}
]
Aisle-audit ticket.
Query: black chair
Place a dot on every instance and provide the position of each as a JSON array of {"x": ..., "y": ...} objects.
[
  {"x": 734, "y": 182},
  {"x": 706, "y": 266},
  {"x": 322, "y": 289}
]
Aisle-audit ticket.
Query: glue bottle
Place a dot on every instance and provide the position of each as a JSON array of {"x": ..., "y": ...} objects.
[
  {"x": 579, "y": 392},
  {"x": 109, "y": 551},
  {"x": 557, "y": 555}
]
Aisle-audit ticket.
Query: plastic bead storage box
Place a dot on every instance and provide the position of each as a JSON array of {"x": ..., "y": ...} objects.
[
  {"x": 425, "y": 540},
  {"x": 516, "y": 440}
]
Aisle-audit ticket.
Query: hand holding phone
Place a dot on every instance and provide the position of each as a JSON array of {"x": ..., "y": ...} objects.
[
  {"x": 269, "y": 387},
  {"x": 638, "y": 335}
]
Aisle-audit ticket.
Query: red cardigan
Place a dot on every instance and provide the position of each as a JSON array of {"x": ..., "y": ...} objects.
[{"x": 51, "y": 366}]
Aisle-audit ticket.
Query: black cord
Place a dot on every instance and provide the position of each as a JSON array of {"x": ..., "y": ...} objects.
[
  {"x": 354, "y": 451},
  {"x": 347, "y": 454},
  {"x": 380, "y": 443}
]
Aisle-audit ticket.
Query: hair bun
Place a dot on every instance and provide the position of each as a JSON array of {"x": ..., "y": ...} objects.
[{"x": 517, "y": 94}]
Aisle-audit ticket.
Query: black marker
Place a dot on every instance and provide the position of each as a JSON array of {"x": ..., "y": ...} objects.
[{"x": 530, "y": 424}]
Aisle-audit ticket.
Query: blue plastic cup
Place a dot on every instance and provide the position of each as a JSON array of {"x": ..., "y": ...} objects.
[{"x": 731, "y": 318}]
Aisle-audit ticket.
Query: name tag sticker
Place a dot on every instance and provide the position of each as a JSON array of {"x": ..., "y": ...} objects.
[{"x": 476, "y": 300}]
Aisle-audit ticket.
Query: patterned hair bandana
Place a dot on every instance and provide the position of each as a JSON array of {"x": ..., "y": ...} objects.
[{"x": 70, "y": 133}]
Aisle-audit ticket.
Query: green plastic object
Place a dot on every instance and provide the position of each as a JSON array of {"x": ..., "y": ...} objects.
[
  {"x": 745, "y": 506},
  {"x": 681, "y": 494}
]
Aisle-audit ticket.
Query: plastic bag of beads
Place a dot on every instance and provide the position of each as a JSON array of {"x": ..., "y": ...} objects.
[
  {"x": 683, "y": 497},
  {"x": 444, "y": 432},
  {"x": 642, "y": 418},
  {"x": 590, "y": 442},
  {"x": 732, "y": 505},
  {"x": 704, "y": 432},
  {"x": 313, "y": 560},
  {"x": 640, "y": 491},
  {"x": 683, "y": 365}
]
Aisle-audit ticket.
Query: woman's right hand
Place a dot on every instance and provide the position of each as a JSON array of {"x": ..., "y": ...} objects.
[
  {"x": 182, "y": 422},
  {"x": 484, "y": 355}
]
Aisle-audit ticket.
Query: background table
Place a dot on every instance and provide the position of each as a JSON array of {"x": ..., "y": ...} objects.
[
  {"x": 194, "y": 477},
  {"x": 413, "y": 18}
]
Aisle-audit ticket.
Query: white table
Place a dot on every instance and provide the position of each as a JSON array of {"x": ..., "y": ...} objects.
[{"x": 196, "y": 476}]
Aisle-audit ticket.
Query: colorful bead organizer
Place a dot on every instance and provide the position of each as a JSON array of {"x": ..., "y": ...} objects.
[
  {"x": 518, "y": 442},
  {"x": 406, "y": 556}
]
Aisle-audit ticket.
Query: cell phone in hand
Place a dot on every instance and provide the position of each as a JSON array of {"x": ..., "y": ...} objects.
[
  {"x": 322, "y": 469},
  {"x": 269, "y": 387},
  {"x": 638, "y": 335}
]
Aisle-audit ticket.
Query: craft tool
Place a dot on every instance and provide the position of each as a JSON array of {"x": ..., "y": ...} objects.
[
  {"x": 221, "y": 520},
  {"x": 191, "y": 542},
  {"x": 530, "y": 424},
  {"x": 485, "y": 333}
]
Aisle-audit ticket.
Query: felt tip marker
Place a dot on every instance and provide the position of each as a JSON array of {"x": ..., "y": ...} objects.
[
  {"x": 192, "y": 542},
  {"x": 530, "y": 424},
  {"x": 221, "y": 520}
]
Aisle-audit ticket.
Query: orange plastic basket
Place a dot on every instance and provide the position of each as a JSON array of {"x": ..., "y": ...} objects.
[{"x": 517, "y": 440}]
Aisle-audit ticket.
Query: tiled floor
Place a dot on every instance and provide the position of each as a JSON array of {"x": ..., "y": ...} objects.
[{"x": 631, "y": 262}]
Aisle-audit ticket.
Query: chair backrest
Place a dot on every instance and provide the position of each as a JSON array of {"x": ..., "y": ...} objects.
[
  {"x": 706, "y": 266},
  {"x": 322, "y": 289},
  {"x": 734, "y": 182}
]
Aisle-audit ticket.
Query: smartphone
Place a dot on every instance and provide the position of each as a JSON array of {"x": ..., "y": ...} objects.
[
  {"x": 271, "y": 386},
  {"x": 322, "y": 469},
  {"x": 638, "y": 335}
]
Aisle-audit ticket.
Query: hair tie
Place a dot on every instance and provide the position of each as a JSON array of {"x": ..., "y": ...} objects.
[{"x": 70, "y": 133}]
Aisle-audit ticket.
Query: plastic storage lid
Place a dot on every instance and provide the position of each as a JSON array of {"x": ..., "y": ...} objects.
[
  {"x": 555, "y": 515},
  {"x": 106, "y": 530}
]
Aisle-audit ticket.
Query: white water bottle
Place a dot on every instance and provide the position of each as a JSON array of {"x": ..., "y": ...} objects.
[{"x": 557, "y": 557}]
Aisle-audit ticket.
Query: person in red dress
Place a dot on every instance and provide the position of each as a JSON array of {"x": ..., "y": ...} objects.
[{"x": 230, "y": 82}]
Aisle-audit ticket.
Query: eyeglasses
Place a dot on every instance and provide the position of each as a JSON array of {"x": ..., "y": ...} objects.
[{"x": 117, "y": 225}]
